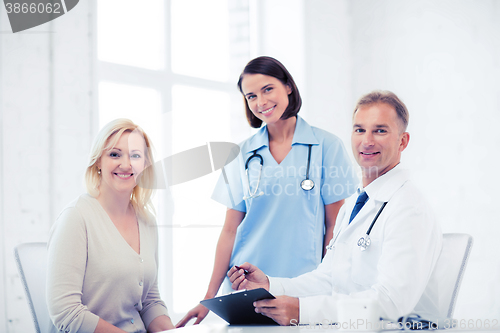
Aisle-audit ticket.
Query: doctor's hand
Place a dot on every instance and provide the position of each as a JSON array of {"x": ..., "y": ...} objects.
[
  {"x": 199, "y": 311},
  {"x": 253, "y": 279},
  {"x": 283, "y": 309}
]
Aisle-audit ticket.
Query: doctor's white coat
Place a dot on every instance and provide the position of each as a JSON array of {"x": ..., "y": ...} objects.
[{"x": 394, "y": 270}]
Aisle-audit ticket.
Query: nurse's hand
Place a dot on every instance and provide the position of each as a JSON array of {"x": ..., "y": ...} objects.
[
  {"x": 284, "y": 309},
  {"x": 199, "y": 311},
  {"x": 247, "y": 276}
]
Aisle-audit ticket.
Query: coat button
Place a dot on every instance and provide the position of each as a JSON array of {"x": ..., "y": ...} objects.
[{"x": 140, "y": 283}]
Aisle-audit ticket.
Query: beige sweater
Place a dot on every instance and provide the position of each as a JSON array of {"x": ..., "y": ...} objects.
[{"x": 93, "y": 273}]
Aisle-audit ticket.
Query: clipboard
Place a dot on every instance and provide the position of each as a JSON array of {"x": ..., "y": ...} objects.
[{"x": 237, "y": 308}]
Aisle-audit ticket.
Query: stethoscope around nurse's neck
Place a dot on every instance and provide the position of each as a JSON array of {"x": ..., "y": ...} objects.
[
  {"x": 307, "y": 184},
  {"x": 254, "y": 194}
]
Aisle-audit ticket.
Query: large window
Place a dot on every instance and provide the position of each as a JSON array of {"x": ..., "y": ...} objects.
[{"x": 171, "y": 67}]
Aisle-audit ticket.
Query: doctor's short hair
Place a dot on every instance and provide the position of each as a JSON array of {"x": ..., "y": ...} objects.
[
  {"x": 105, "y": 140},
  {"x": 388, "y": 97},
  {"x": 271, "y": 67}
]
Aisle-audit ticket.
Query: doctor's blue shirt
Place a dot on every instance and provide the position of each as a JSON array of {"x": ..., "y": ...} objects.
[{"x": 283, "y": 230}]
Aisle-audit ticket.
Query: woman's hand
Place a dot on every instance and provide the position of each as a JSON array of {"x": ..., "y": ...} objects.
[
  {"x": 247, "y": 276},
  {"x": 199, "y": 311}
]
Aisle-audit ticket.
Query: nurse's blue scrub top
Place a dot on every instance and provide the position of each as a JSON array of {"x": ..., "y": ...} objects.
[{"x": 283, "y": 229}]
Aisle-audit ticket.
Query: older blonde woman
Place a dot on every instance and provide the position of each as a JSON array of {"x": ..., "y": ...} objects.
[{"x": 103, "y": 248}]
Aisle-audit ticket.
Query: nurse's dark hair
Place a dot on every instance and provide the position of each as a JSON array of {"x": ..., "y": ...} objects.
[
  {"x": 388, "y": 97},
  {"x": 271, "y": 67}
]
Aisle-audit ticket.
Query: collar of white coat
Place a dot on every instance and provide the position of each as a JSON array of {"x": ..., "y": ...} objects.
[
  {"x": 383, "y": 188},
  {"x": 303, "y": 134}
]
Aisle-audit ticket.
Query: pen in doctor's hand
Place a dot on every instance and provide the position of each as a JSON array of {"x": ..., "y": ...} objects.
[{"x": 238, "y": 268}]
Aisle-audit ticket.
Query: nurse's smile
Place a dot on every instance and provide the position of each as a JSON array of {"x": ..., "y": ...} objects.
[{"x": 266, "y": 112}]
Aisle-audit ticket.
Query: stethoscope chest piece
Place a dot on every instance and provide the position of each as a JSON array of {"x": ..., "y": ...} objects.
[
  {"x": 307, "y": 184},
  {"x": 364, "y": 242}
]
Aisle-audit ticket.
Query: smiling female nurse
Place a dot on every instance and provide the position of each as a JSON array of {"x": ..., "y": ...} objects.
[{"x": 276, "y": 223}]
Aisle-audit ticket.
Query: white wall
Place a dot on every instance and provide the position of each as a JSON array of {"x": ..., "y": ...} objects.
[
  {"x": 46, "y": 125},
  {"x": 329, "y": 64},
  {"x": 442, "y": 59}
]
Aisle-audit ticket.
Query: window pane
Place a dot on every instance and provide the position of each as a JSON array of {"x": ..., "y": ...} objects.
[
  {"x": 200, "y": 38},
  {"x": 200, "y": 116},
  {"x": 141, "y": 105},
  {"x": 131, "y": 32}
]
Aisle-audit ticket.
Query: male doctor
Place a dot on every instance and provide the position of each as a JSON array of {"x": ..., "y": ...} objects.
[{"x": 405, "y": 240}]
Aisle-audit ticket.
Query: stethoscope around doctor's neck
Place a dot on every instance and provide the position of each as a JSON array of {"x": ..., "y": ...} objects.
[
  {"x": 307, "y": 184},
  {"x": 364, "y": 241}
]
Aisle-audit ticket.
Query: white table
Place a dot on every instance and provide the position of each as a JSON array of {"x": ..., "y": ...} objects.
[{"x": 222, "y": 328}]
